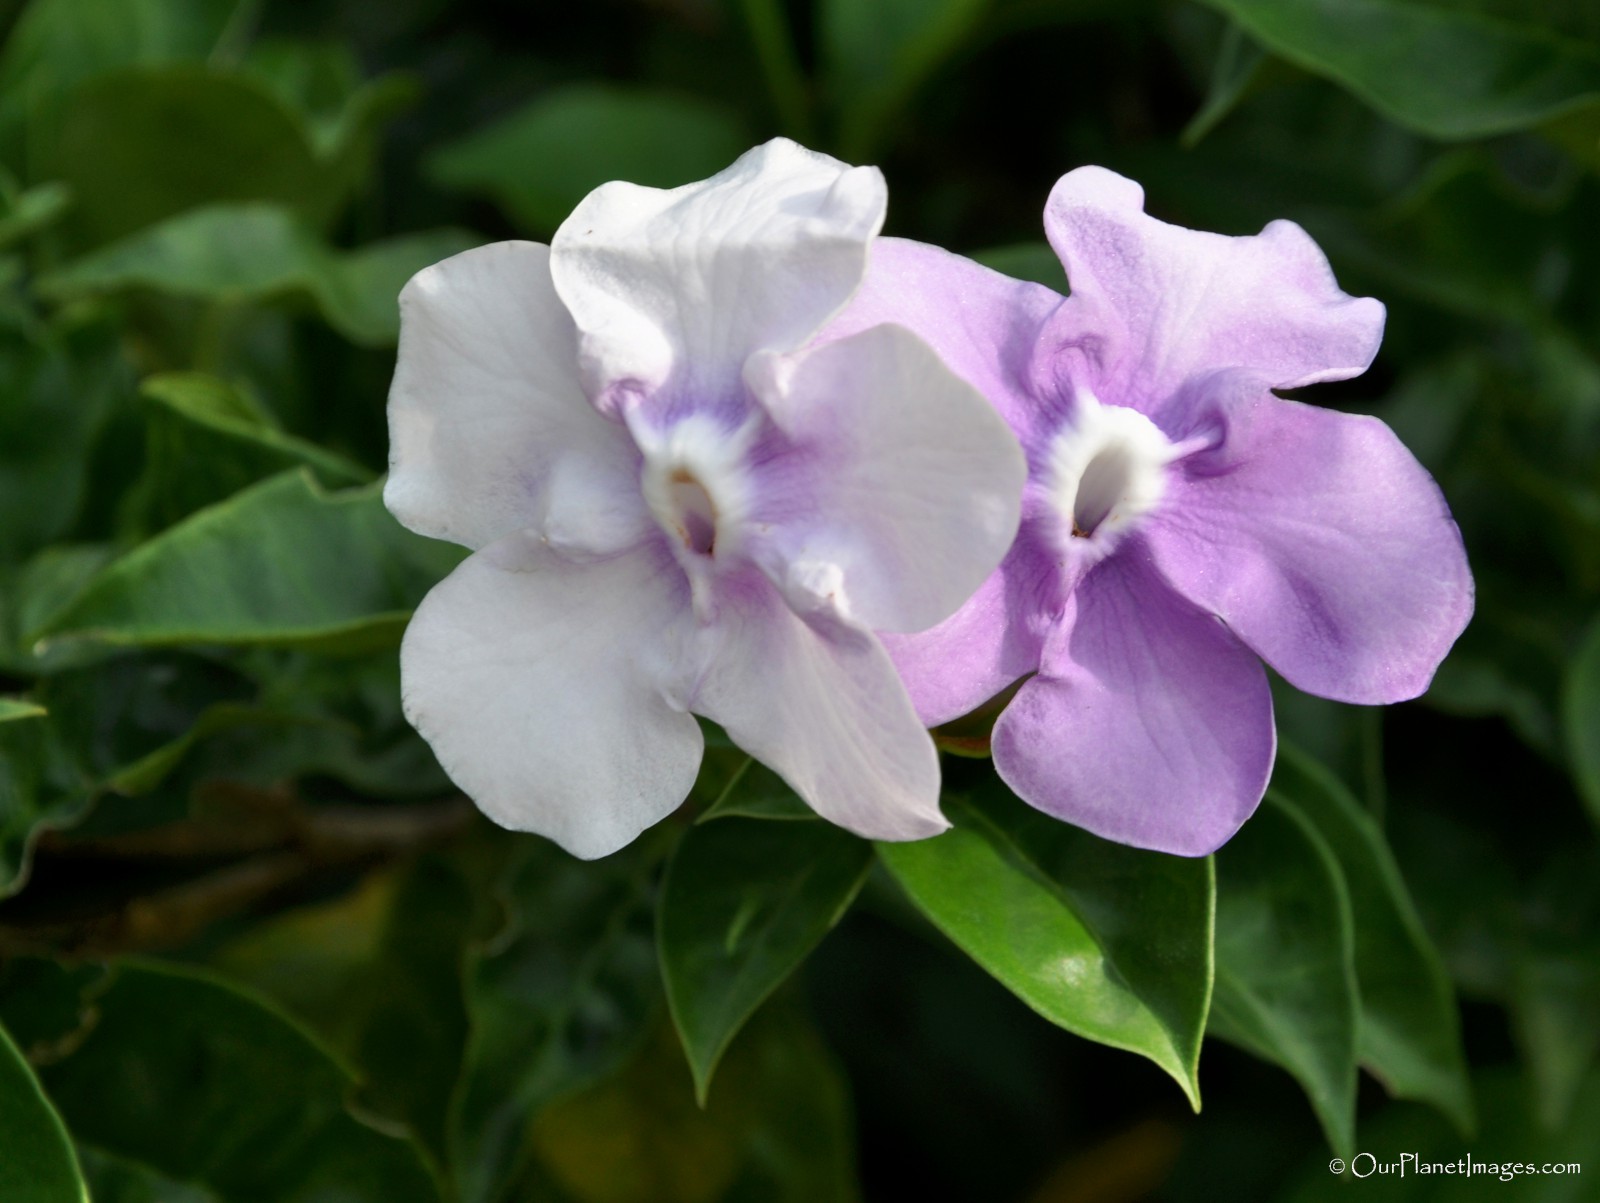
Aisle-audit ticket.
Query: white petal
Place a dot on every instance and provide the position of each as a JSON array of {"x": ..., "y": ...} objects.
[
  {"x": 489, "y": 429},
  {"x": 688, "y": 282},
  {"x": 819, "y": 702},
  {"x": 545, "y": 687},
  {"x": 902, "y": 476}
]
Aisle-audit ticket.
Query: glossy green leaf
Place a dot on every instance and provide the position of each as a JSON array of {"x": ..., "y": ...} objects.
[
  {"x": 234, "y": 254},
  {"x": 1286, "y": 982},
  {"x": 12, "y": 709},
  {"x": 1443, "y": 72},
  {"x": 557, "y": 999},
  {"x": 777, "y": 1130},
  {"x": 234, "y": 1097},
  {"x": 754, "y": 791},
  {"x": 1409, "y": 1034},
  {"x": 541, "y": 160},
  {"x": 742, "y": 905},
  {"x": 37, "y": 1164},
  {"x": 1580, "y": 715},
  {"x": 1111, "y": 943},
  {"x": 283, "y": 563},
  {"x": 877, "y": 53}
]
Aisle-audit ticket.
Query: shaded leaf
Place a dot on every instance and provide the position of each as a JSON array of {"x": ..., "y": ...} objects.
[
  {"x": 742, "y": 905},
  {"x": 541, "y": 160},
  {"x": 1111, "y": 943},
  {"x": 234, "y": 1097},
  {"x": 233, "y": 254},
  {"x": 37, "y": 1164},
  {"x": 557, "y": 999},
  {"x": 754, "y": 791},
  {"x": 1445, "y": 73},
  {"x": 1286, "y": 983},
  {"x": 283, "y": 563},
  {"x": 1036, "y": 261},
  {"x": 1580, "y": 714},
  {"x": 117, "y": 1180}
]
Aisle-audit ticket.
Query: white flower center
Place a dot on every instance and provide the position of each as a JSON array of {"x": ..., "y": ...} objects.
[
  {"x": 696, "y": 484},
  {"x": 1107, "y": 469}
]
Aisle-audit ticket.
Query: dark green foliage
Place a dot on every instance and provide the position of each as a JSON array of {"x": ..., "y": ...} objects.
[{"x": 255, "y": 948}]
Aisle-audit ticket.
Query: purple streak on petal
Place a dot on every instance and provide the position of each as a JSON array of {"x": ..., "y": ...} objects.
[
  {"x": 1149, "y": 723},
  {"x": 1324, "y": 545},
  {"x": 981, "y": 323},
  {"x": 817, "y": 700},
  {"x": 1154, "y": 304},
  {"x": 549, "y": 690}
]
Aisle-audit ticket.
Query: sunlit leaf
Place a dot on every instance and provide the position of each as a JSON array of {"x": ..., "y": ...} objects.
[{"x": 1112, "y": 943}]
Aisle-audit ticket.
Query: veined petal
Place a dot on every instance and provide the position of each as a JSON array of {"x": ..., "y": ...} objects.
[
  {"x": 688, "y": 282},
  {"x": 900, "y": 476},
  {"x": 490, "y": 432},
  {"x": 982, "y": 324},
  {"x": 546, "y": 689},
  {"x": 1154, "y": 304},
  {"x": 1322, "y": 542},
  {"x": 817, "y": 700},
  {"x": 1149, "y": 723}
]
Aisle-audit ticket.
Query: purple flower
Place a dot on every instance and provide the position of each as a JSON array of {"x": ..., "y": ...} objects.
[
  {"x": 677, "y": 508},
  {"x": 1179, "y": 521}
]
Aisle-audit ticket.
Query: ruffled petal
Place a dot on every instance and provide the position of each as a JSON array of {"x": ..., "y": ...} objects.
[
  {"x": 817, "y": 700},
  {"x": 1149, "y": 724},
  {"x": 489, "y": 430},
  {"x": 982, "y": 324},
  {"x": 546, "y": 688},
  {"x": 686, "y": 283},
  {"x": 1154, "y": 304},
  {"x": 899, "y": 476},
  {"x": 1322, "y": 542}
]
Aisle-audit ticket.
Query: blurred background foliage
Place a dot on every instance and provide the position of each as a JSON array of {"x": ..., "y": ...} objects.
[{"x": 254, "y": 949}]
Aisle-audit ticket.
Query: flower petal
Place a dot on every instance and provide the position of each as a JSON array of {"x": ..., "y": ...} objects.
[
  {"x": 1322, "y": 542},
  {"x": 1149, "y": 724},
  {"x": 545, "y": 688},
  {"x": 817, "y": 700},
  {"x": 489, "y": 429},
  {"x": 688, "y": 282},
  {"x": 1154, "y": 304},
  {"x": 981, "y": 323},
  {"x": 899, "y": 475}
]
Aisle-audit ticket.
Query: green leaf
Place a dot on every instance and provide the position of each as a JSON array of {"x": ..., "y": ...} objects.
[
  {"x": 37, "y": 1164},
  {"x": 118, "y": 1180},
  {"x": 1036, "y": 261},
  {"x": 1286, "y": 983},
  {"x": 27, "y": 213},
  {"x": 742, "y": 905},
  {"x": 778, "y": 1130},
  {"x": 40, "y": 788},
  {"x": 540, "y": 161},
  {"x": 201, "y": 1081},
  {"x": 558, "y": 999},
  {"x": 1409, "y": 1032},
  {"x": 1580, "y": 714},
  {"x": 283, "y": 563},
  {"x": 237, "y": 254},
  {"x": 1111, "y": 943},
  {"x": 1237, "y": 65},
  {"x": 877, "y": 53},
  {"x": 12, "y": 709},
  {"x": 206, "y": 440},
  {"x": 1446, "y": 73},
  {"x": 754, "y": 791}
]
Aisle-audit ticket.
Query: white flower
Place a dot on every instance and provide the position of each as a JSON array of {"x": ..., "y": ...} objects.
[{"x": 678, "y": 508}]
